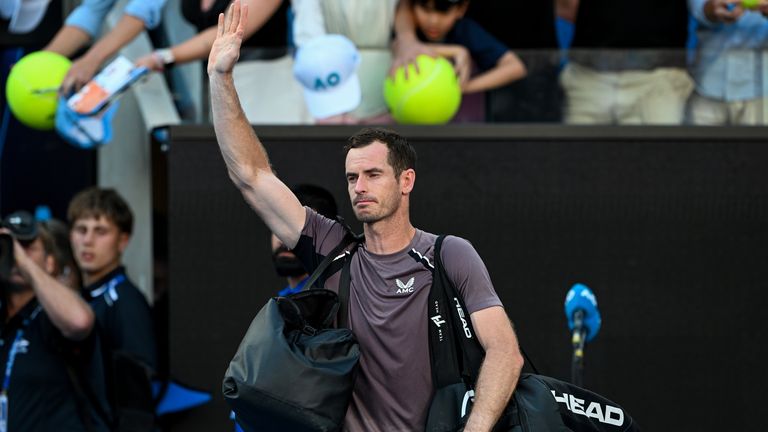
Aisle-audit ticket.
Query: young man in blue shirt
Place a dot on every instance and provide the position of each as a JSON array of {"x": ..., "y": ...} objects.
[{"x": 101, "y": 225}]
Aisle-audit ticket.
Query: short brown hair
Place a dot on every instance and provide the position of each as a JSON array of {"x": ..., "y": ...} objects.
[
  {"x": 402, "y": 155},
  {"x": 96, "y": 202},
  {"x": 46, "y": 238}
]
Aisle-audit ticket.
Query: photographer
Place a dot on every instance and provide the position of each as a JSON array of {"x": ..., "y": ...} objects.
[{"x": 47, "y": 338}]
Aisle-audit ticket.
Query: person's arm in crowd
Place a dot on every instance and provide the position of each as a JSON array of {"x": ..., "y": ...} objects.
[
  {"x": 245, "y": 157},
  {"x": 68, "y": 40},
  {"x": 407, "y": 46},
  {"x": 712, "y": 12},
  {"x": 509, "y": 68},
  {"x": 198, "y": 46},
  {"x": 308, "y": 21},
  {"x": 85, "y": 67},
  {"x": 64, "y": 306},
  {"x": 84, "y": 23},
  {"x": 567, "y": 9},
  {"x": 500, "y": 369},
  {"x": 762, "y": 7}
]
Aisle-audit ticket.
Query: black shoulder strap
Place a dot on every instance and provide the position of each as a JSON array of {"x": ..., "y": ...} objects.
[
  {"x": 467, "y": 349},
  {"x": 331, "y": 257},
  {"x": 344, "y": 283}
]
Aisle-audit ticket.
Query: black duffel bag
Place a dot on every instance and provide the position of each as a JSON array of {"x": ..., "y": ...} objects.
[{"x": 293, "y": 371}]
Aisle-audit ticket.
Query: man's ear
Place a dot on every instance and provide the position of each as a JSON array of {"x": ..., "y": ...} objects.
[
  {"x": 123, "y": 241},
  {"x": 50, "y": 264},
  {"x": 407, "y": 181}
]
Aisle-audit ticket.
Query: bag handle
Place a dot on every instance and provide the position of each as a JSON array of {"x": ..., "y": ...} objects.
[{"x": 332, "y": 256}]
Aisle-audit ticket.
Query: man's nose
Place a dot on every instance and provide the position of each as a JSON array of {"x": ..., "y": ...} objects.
[{"x": 360, "y": 186}]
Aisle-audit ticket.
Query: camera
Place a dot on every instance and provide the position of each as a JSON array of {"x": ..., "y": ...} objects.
[{"x": 24, "y": 228}]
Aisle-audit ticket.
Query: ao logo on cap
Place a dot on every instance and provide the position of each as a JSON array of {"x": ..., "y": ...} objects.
[
  {"x": 326, "y": 67},
  {"x": 332, "y": 80}
]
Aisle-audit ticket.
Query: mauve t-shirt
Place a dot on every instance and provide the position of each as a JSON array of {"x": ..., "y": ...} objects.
[{"x": 388, "y": 315}]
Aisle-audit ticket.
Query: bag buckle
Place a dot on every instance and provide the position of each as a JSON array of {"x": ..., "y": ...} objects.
[{"x": 309, "y": 330}]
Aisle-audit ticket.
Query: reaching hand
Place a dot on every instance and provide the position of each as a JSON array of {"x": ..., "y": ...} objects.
[
  {"x": 151, "y": 62},
  {"x": 81, "y": 71},
  {"x": 462, "y": 64},
  {"x": 762, "y": 7},
  {"x": 727, "y": 11},
  {"x": 405, "y": 53},
  {"x": 229, "y": 35}
]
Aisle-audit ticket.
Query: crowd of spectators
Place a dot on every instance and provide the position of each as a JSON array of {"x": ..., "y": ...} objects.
[{"x": 655, "y": 62}]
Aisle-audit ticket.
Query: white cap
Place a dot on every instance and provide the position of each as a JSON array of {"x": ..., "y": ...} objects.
[{"x": 326, "y": 67}]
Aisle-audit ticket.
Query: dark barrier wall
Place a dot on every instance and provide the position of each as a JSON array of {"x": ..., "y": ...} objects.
[{"x": 667, "y": 226}]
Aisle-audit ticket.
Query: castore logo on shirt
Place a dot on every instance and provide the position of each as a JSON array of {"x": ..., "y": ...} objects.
[{"x": 404, "y": 288}]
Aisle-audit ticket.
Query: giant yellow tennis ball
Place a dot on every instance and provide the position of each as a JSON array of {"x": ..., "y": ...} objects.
[
  {"x": 32, "y": 88},
  {"x": 750, "y": 4},
  {"x": 431, "y": 96}
]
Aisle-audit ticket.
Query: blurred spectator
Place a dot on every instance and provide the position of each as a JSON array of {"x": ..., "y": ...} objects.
[
  {"x": 83, "y": 25},
  {"x": 565, "y": 13},
  {"x": 729, "y": 68},
  {"x": 47, "y": 340},
  {"x": 368, "y": 24},
  {"x": 442, "y": 25},
  {"x": 65, "y": 266},
  {"x": 266, "y": 27},
  {"x": 101, "y": 225},
  {"x": 286, "y": 263},
  {"x": 528, "y": 26},
  {"x": 628, "y": 63}
]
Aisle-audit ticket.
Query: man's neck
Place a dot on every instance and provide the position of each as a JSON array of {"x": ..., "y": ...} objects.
[
  {"x": 294, "y": 281},
  {"x": 17, "y": 301},
  {"x": 389, "y": 235},
  {"x": 91, "y": 278}
]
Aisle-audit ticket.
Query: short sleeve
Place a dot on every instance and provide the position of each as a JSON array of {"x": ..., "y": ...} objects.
[
  {"x": 319, "y": 237},
  {"x": 90, "y": 15},
  {"x": 149, "y": 11},
  {"x": 468, "y": 273}
]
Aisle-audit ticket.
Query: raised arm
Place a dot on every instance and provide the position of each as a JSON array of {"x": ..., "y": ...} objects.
[
  {"x": 65, "y": 308},
  {"x": 246, "y": 158},
  {"x": 500, "y": 369},
  {"x": 199, "y": 46}
]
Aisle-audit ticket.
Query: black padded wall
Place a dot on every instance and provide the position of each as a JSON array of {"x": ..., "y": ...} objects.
[{"x": 667, "y": 226}]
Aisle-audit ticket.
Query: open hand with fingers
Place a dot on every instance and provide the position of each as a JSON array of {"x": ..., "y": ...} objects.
[{"x": 229, "y": 36}]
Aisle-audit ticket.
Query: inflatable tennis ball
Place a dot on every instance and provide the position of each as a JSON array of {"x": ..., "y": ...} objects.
[
  {"x": 32, "y": 88},
  {"x": 750, "y": 4},
  {"x": 431, "y": 96}
]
